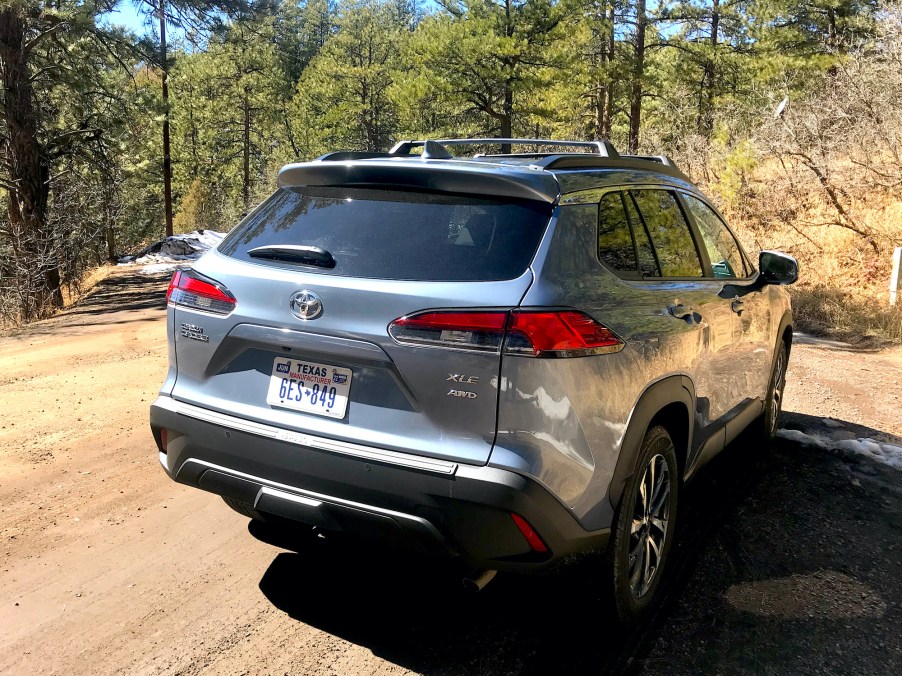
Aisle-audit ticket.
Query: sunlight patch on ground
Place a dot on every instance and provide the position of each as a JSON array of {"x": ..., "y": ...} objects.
[{"x": 824, "y": 593}]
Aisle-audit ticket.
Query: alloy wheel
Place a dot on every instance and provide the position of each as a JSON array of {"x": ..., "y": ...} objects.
[
  {"x": 649, "y": 527},
  {"x": 776, "y": 396}
]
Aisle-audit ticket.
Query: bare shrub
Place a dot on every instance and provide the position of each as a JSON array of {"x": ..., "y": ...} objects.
[{"x": 845, "y": 143}]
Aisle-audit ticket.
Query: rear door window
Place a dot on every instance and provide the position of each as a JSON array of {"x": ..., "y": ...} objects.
[
  {"x": 615, "y": 242},
  {"x": 669, "y": 232},
  {"x": 648, "y": 260},
  {"x": 723, "y": 251},
  {"x": 383, "y": 234}
]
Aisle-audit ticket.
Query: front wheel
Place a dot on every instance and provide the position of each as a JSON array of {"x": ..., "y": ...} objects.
[
  {"x": 765, "y": 427},
  {"x": 645, "y": 525}
]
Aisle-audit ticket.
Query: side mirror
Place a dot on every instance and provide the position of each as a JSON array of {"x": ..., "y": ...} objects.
[{"x": 777, "y": 267}]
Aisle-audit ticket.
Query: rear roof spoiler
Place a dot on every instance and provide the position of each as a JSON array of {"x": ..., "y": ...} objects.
[{"x": 439, "y": 175}]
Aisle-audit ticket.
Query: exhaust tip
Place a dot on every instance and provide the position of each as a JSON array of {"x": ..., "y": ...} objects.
[{"x": 478, "y": 579}]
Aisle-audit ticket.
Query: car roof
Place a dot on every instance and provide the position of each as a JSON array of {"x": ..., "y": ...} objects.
[{"x": 539, "y": 176}]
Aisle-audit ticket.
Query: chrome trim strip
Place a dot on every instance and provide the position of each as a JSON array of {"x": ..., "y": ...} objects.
[
  {"x": 359, "y": 451},
  {"x": 284, "y": 495}
]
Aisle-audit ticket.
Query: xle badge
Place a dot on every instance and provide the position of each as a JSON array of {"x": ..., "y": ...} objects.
[
  {"x": 463, "y": 379},
  {"x": 460, "y": 378}
]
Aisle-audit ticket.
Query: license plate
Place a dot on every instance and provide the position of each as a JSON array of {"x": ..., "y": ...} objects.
[{"x": 309, "y": 386}]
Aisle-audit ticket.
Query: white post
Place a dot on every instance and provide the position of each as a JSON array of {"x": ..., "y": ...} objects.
[{"x": 895, "y": 282}]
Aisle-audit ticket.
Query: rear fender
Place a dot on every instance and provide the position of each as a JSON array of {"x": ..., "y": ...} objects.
[{"x": 657, "y": 396}]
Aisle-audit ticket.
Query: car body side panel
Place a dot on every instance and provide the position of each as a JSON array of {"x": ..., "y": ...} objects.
[
  {"x": 563, "y": 421},
  {"x": 172, "y": 368}
]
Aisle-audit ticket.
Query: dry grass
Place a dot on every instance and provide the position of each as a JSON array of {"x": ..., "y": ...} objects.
[
  {"x": 89, "y": 281},
  {"x": 846, "y": 315},
  {"x": 843, "y": 290}
]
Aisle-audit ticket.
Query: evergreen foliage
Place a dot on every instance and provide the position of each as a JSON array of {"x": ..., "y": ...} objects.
[{"x": 252, "y": 85}]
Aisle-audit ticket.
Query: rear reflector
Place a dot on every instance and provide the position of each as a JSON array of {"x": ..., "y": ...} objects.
[
  {"x": 532, "y": 538},
  {"x": 531, "y": 333},
  {"x": 164, "y": 439},
  {"x": 193, "y": 290}
]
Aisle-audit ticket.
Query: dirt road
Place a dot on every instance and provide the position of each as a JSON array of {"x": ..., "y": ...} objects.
[{"x": 787, "y": 562}]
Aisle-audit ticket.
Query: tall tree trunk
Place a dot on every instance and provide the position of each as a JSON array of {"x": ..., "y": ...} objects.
[
  {"x": 507, "y": 117},
  {"x": 507, "y": 112},
  {"x": 167, "y": 156},
  {"x": 604, "y": 101},
  {"x": 637, "y": 77},
  {"x": 111, "y": 242},
  {"x": 246, "y": 155},
  {"x": 832, "y": 39},
  {"x": 705, "y": 118},
  {"x": 27, "y": 174},
  {"x": 609, "y": 84}
]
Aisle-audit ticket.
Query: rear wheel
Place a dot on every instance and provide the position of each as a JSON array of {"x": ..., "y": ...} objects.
[
  {"x": 645, "y": 525},
  {"x": 244, "y": 509}
]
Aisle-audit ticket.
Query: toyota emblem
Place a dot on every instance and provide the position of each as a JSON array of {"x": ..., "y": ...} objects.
[{"x": 305, "y": 305}]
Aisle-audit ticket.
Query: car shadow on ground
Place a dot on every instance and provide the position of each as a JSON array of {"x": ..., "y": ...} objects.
[
  {"x": 750, "y": 516},
  {"x": 115, "y": 300},
  {"x": 124, "y": 291}
]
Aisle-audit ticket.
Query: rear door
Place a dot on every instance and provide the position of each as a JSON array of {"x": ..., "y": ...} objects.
[
  {"x": 318, "y": 276},
  {"x": 691, "y": 299},
  {"x": 749, "y": 304}
]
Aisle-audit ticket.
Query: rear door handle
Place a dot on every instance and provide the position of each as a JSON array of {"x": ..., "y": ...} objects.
[
  {"x": 686, "y": 313},
  {"x": 680, "y": 311}
]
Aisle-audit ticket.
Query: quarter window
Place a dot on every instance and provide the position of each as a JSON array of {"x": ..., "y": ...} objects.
[
  {"x": 726, "y": 261},
  {"x": 669, "y": 233}
]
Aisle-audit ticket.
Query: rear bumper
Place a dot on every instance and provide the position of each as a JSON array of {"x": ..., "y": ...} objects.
[{"x": 430, "y": 505}]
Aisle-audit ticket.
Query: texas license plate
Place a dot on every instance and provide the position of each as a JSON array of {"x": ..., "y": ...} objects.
[{"x": 309, "y": 386}]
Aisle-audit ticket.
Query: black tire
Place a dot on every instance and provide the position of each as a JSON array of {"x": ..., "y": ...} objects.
[
  {"x": 244, "y": 509},
  {"x": 764, "y": 429},
  {"x": 644, "y": 529}
]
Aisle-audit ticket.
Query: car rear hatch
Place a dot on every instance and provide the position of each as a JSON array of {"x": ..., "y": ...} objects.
[{"x": 289, "y": 323}]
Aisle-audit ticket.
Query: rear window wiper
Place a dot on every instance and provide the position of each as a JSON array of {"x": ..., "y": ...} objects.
[{"x": 294, "y": 253}]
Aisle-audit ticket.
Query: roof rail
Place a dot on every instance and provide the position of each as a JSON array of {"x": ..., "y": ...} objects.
[
  {"x": 586, "y": 161},
  {"x": 663, "y": 159},
  {"x": 601, "y": 148},
  {"x": 344, "y": 155}
]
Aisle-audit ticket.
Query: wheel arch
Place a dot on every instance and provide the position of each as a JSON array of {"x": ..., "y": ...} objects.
[
  {"x": 669, "y": 402},
  {"x": 785, "y": 334},
  {"x": 785, "y": 331}
]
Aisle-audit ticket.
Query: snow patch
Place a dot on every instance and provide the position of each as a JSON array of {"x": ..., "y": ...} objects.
[
  {"x": 156, "y": 269},
  {"x": 888, "y": 454},
  {"x": 166, "y": 254}
]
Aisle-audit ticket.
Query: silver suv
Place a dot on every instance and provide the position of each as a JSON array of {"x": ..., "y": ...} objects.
[{"x": 507, "y": 358}]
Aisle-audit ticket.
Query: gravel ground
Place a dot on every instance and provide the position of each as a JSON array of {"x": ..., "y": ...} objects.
[{"x": 788, "y": 559}]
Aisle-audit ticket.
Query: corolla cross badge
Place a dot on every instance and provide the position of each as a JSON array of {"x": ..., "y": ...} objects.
[{"x": 305, "y": 305}]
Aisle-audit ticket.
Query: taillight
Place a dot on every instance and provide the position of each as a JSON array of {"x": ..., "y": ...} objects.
[
  {"x": 193, "y": 290},
  {"x": 482, "y": 331},
  {"x": 558, "y": 334},
  {"x": 531, "y": 333}
]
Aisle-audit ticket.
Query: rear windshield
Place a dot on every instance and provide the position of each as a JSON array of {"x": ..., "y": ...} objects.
[{"x": 382, "y": 234}]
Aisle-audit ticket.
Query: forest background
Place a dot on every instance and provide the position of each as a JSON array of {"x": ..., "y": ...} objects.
[{"x": 786, "y": 112}]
